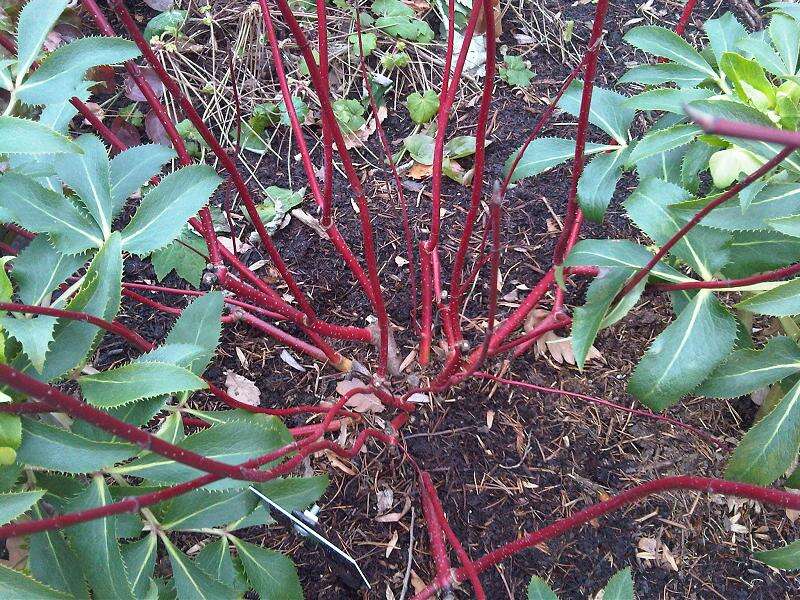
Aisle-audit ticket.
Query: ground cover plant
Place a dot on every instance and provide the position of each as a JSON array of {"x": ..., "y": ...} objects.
[{"x": 130, "y": 478}]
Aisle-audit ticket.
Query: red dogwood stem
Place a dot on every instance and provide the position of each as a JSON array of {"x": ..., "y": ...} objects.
[
  {"x": 630, "y": 496},
  {"x": 583, "y": 127},
  {"x": 438, "y": 549},
  {"x": 738, "y": 129},
  {"x": 686, "y": 14},
  {"x": 729, "y": 283}
]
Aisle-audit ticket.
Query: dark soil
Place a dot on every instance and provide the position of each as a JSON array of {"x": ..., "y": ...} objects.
[{"x": 506, "y": 462}]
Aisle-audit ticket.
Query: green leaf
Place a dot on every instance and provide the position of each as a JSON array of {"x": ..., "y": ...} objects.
[
  {"x": 598, "y": 182},
  {"x": 514, "y": 70},
  {"x": 271, "y": 574},
  {"x": 10, "y": 437},
  {"x": 44, "y": 211},
  {"x": 60, "y": 450},
  {"x": 421, "y": 147},
  {"x": 619, "y": 253},
  {"x": 99, "y": 296},
  {"x": 726, "y": 166},
  {"x": 780, "y": 301},
  {"x": 784, "y": 32},
  {"x": 662, "y": 140},
  {"x": 88, "y": 175},
  {"x": 620, "y": 586},
  {"x": 294, "y": 493},
  {"x": 95, "y": 545},
  {"x": 191, "y": 582},
  {"x": 135, "y": 381},
  {"x": 369, "y": 42},
  {"x": 665, "y": 43},
  {"x": 14, "y": 504},
  {"x": 136, "y": 413},
  {"x": 198, "y": 326},
  {"x": 53, "y": 562},
  {"x": 201, "y": 508},
  {"x": 422, "y": 107},
  {"x": 787, "y": 557},
  {"x": 683, "y": 355},
  {"x": 36, "y": 20},
  {"x": 667, "y": 99},
  {"x": 169, "y": 21},
  {"x": 770, "y": 447},
  {"x": 648, "y": 207},
  {"x": 39, "y": 269},
  {"x": 588, "y": 318},
  {"x": 140, "y": 560},
  {"x": 34, "y": 335},
  {"x": 460, "y": 146},
  {"x": 545, "y": 153},
  {"x": 755, "y": 46},
  {"x": 60, "y": 74},
  {"x": 277, "y": 203},
  {"x": 751, "y": 83},
  {"x": 22, "y": 136},
  {"x": 14, "y": 584},
  {"x": 723, "y": 34},
  {"x": 789, "y": 225},
  {"x": 215, "y": 559},
  {"x": 758, "y": 251},
  {"x": 188, "y": 263},
  {"x": 694, "y": 162},
  {"x": 658, "y": 74},
  {"x": 539, "y": 590},
  {"x": 608, "y": 110},
  {"x": 748, "y": 370},
  {"x": 133, "y": 168},
  {"x": 164, "y": 211},
  {"x": 231, "y": 443},
  {"x": 349, "y": 114}
]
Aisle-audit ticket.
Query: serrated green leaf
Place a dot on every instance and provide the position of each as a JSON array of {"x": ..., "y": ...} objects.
[
  {"x": 60, "y": 450},
  {"x": 88, "y": 175},
  {"x": 539, "y": 590},
  {"x": 215, "y": 559},
  {"x": 608, "y": 110},
  {"x": 135, "y": 413},
  {"x": 683, "y": 355},
  {"x": 422, "y": 107},
  {"x": 188, "y": 263},
  {"x": 22, "y": 136},
  {"x": 545, "y": 153},
  {"x": 201, "y": 508},
  {"x": 14, "y": 584},
  {"x": 198, "y": 326},
  {"x": 95, "y": 544},
  {"x": 620, "y": 586},
  {"x": 172, "y": 428},
  {"x": 39, "y": 269},
  {"x": 618, "y": 253},
  {"x": 682, "y": 76},
  {"x": 53, "y": 562},
  {"x": 10, "y": 437},
  {"x": 587, "y": 319},
  {"x": 748, "y": 370},
  {"x": 34, "y": 335},
  {"x": 231, "y": 443},
  {"x": 694, "y": 162},
  {"x": 191, "y": 582},
  {"x": 723, "y": 34},
  {"x": 788, "y": 225},
  {"x": 667, "y": 99},
  {"x": 780, "y": 301},
  {"x": 271, "y": 574},
  {"x": 649, "y": 207},
  {"x": 164, "y": 211},
  {"x": 663, "y": 140},
  {"x": 140, "y": 560},
  {"x": 133, "y": 168},
  {"x": 758, "y": 251},
  {"x": 784, "y": 32},
  {"x": 755, "y": 46},
  {"x": 131, "y": 382},
  {"x": 294, "y": 493},
  {"x": 36, "y": 20},
  {"x": 787, "y": 557},
  {"x": 44, "y": 211},
  {"x": 598, "y": 182},
  {"x": 62, "y": 71},
  {"x": 14, "y": 504},
  {"x": 665, "y": 43},
  {"x": 99, "y": 296},
  {"x": 770, "y": 447},
  {"x": 748, "y": 76}
]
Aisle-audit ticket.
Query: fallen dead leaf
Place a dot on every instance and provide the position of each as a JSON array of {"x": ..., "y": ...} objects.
[
  {"x": 385, "y": 500},
  {"x": 242, "y": 389},
  {"x": 420, "y": 171},
  {"x": 394, "y": 517},
  {"x": 360, "y": 403},
  {"x": 658, "y": 552},
  {"x": 416, "y": 582},
  {"x": 392, "y": 543},
  {"x": 291, "y": 361},
  {"x": 559, "y": 348}
]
